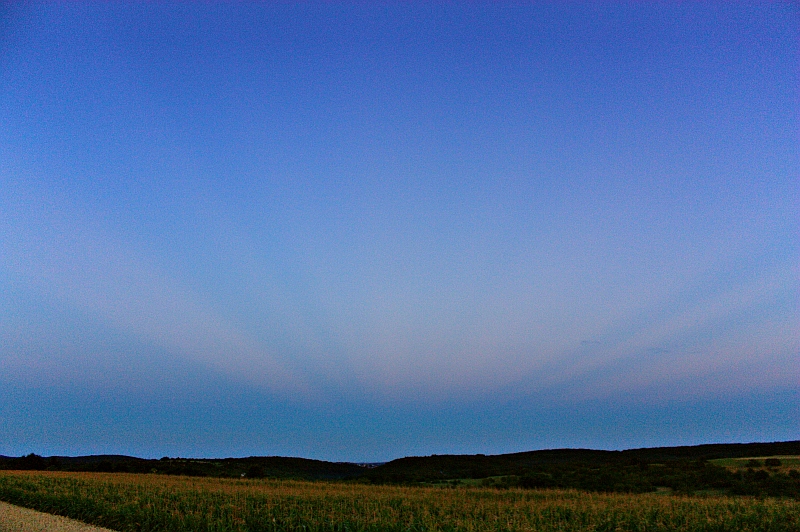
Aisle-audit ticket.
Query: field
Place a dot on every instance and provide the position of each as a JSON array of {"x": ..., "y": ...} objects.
[
  {"x": 786, "y": 463},
  {"x": 753, "y": 469},
  {"x": 124, "y": 501}
]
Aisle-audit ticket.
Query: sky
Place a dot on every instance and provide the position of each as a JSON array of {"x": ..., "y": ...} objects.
[{"x": 361, "y": 231}]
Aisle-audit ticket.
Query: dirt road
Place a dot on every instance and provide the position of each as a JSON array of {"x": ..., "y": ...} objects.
[{"x": 17, "y": 519}]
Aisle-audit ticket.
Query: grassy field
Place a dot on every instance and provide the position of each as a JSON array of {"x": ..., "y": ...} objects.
[
  {"x": 155, "y": 502},
  {"x": 787, "y": 463}
]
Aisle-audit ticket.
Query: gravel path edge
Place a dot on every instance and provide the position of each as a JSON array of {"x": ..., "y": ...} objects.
[{"x": 18, "y": 519}]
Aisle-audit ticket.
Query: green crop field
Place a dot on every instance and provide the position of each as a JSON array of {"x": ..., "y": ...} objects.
[
  {"x": 787, "y": 463},
  {"x": 125, "y": 501}
]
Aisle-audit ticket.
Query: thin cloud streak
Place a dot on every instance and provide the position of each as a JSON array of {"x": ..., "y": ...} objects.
[{"x": 73, "y": 257}]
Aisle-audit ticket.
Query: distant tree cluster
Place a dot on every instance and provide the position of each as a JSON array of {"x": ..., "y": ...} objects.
[{"x": 253, "y": 467}]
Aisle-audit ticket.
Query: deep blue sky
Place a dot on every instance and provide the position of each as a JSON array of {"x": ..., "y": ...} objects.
[{"x": 358, "y": 232}]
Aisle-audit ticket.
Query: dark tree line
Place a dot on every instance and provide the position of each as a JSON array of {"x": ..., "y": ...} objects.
[{"x": 678, "y": 469}]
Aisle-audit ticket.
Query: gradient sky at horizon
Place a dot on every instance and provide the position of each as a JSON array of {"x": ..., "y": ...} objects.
[{"x": 358, "y": 232}]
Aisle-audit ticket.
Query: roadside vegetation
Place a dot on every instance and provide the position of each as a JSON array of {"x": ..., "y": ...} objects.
[{"x": 154, "y": 502}]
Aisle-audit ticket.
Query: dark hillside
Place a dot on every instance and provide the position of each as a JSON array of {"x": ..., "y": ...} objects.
[
  {"x": 716, "y": 450},
  {"x": 436, "y": 467},
  {"x": 252, "y": 467},
  {"x": 682, "y": 469}
]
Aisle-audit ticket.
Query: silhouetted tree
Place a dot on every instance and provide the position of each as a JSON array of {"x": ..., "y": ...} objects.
[{"x": 32, "y": 461}]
